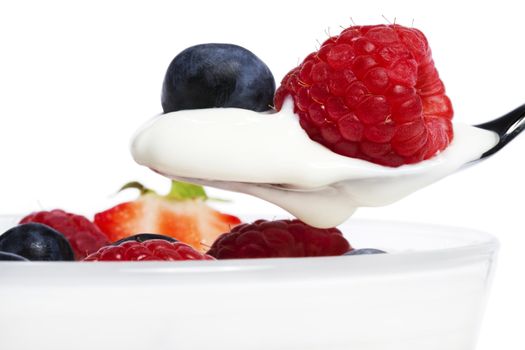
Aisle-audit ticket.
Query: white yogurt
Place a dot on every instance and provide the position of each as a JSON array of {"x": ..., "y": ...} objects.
[{"x": 270, "y": 156}]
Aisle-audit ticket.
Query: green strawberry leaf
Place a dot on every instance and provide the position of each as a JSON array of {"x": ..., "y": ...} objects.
[{"x": 183, "y": 190}]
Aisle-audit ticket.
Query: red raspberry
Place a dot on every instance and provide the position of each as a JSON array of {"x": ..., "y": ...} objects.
[
  {"x": 278, "y": 239},
  {"x": 154, "y": 249},
  {"x": 372, "y": 93},
  {"x": 84, "y": 237}
]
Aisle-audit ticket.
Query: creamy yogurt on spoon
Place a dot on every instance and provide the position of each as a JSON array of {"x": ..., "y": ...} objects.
[{"x": 270, "y": 156}]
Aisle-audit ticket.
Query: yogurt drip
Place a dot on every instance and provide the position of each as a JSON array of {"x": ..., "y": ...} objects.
[{"x": 271, "y": 157}]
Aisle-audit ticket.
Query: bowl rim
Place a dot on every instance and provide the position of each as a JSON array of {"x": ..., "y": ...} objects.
[{"x": 483, "y": 249}]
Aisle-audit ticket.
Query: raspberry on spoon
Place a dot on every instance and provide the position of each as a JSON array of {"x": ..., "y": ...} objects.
[{"x": 372, "y": 93}]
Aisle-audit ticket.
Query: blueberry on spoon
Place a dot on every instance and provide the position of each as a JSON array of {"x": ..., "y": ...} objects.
[
  {"x": 217, "y": 75},
  {"x": 36, "y": 242}
]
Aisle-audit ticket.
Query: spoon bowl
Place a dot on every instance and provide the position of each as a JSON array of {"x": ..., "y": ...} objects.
[{"x": 294, "y": 172}]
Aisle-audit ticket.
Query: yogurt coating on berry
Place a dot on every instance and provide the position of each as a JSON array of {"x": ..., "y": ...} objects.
[{"x": 271, "y": 157}]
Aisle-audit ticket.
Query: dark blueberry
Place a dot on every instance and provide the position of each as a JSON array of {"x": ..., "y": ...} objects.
[
  {"x": 4, "y": 256},
  {"x": 142, "y": 237},
  {"x": 365, "y": 251},
  {"x": 217, "y": 75},
  {"x": 36, "y": 242}
]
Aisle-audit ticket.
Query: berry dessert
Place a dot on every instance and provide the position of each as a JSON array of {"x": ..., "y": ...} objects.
[
  {"x": 83, "y": 236},
  {"x": 182, "y": 214},
  {"x": 372, "y": 92},
  {"x": 150, "y": 249},
  {"x": 362, "y": 122}
]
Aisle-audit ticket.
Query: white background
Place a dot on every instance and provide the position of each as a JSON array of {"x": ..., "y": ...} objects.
[{"x": 77, "y": 79}]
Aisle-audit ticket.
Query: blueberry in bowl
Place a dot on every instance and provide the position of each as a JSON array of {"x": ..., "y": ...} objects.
[{"x": 36, "y": 242}]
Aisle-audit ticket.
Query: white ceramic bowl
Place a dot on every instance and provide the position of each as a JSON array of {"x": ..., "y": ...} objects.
[{"x": 428, "y": 293}]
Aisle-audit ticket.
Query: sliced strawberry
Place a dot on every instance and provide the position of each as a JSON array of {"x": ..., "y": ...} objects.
[{"x": 182, "y": 214}]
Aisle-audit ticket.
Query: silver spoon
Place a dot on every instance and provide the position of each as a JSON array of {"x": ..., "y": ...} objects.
[{"x": 507, "y": 127}]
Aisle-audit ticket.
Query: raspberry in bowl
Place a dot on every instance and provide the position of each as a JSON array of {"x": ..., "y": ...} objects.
[{"x": 427, "y": 292}]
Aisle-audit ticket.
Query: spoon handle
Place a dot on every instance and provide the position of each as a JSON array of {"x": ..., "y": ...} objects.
[{"x": 507, "y": 127}]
